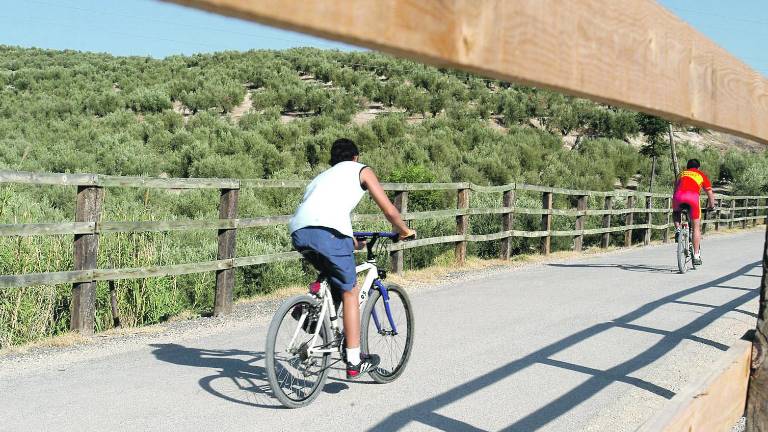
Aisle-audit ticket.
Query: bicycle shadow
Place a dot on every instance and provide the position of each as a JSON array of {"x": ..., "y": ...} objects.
[
  {"x": 628, "y": 267},
  {"x": 237, "y": 378}
]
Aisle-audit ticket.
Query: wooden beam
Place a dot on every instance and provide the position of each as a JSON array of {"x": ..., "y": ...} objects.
[
  {"x": 634, "y": 54},
  {"x": 713, "y": 403}
]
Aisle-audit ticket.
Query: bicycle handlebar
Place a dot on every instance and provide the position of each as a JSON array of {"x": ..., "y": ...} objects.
[{"x": 368, "y": 234}]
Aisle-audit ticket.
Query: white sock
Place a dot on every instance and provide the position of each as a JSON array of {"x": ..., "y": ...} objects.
[
  {"x": 697, "y": 256},
  {"x": 353, "y": 355}
]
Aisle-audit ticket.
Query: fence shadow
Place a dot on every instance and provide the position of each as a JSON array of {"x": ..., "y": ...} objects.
[
  {"x": 426, "y": 411},
  {"x": 237, "y": 378}
]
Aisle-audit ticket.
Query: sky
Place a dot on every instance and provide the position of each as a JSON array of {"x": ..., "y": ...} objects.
[{"x": 149, "y": 27}]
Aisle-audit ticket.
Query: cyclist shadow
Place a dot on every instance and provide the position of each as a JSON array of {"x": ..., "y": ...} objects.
[{"x": 238, "y": 377}]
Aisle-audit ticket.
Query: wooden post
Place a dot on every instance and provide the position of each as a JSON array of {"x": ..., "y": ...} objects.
[
  {"x": 113, "y": 304},
  {"x": 648, "y": 220},
  {"x": 607, "y": 222},
  {"x": 668, "y": 206},
  {"x": 507, "y": 221},
  {"x": 757, "y": 393},
  {"x": 732, "y": 213},
  {"x": 86, "y": 247},
  {"x": 629, "y": 220},
  {"x": 754, "y": 213},
  {"x": 765, "y": 212},
  {"x": 462, "y": 223},
  {"x": 546, "y": 221},
  {"x": 718, "y": 203},
  {"x": 578, "y": 241},
  {"x": 704, "y": 218},
  {"x": 401, "y": 202},
  {"x": 225, "y": 279},
  {"x": 744, "y": 213}
]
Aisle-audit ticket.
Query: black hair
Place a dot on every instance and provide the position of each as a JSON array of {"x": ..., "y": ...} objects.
[
  {"x": 693, "y": 163},
  {"x": 342, "y": 150}
]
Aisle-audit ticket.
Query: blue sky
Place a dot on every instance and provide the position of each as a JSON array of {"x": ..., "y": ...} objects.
[{"x": 148, "y": 27}]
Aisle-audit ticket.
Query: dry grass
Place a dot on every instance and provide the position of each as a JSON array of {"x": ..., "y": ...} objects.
[
  {"x": 60, "y": 341},
  {"x": 277, "y": 294},
  {"x": 445, "y": 267}
]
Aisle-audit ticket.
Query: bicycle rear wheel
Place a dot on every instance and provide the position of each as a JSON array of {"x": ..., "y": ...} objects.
[
  {"x": 390, "y": 335},
  {"x": 690, "y": 246},
  {"x": 296, "y": 378},
  {"x": 683, "y": 251}
]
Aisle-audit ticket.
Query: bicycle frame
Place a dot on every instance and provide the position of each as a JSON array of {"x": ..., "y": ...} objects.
[{"x": 371, "y": 281}]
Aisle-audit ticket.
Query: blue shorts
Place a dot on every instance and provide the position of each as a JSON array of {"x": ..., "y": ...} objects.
[{"x": 332, "y": 254}]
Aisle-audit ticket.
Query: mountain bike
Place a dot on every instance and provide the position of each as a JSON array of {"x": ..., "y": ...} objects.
[
  {"x": 305, "y": 339},
  {"x": 685, "y": 241}
]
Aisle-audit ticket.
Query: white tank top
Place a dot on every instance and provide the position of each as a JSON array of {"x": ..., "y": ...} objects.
[{"x": 330, "y": 198}]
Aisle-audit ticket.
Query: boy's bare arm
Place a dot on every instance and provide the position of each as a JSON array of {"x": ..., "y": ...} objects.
[{"x": 371, "y": 182}]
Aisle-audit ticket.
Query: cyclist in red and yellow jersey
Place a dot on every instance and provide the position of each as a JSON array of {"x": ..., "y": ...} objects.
[{"x": 687, "y": 189}]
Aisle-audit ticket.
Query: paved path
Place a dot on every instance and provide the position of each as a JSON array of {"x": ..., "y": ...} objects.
[{"x": 593, "y": 343}]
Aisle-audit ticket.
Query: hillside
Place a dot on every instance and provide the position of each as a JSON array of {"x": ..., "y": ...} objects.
[{"x": 274, "y": 114}]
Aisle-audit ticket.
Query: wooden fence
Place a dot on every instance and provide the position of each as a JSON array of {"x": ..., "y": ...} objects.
[{"x": 731, "y": 211}]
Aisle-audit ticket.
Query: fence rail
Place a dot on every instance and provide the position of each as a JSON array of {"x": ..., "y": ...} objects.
[{"x": 88, "y": 226}]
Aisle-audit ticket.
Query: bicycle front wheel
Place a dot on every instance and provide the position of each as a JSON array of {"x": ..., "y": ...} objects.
[
  {"x": 296, "y": 377},
  {"x": 387, "y": 330}
]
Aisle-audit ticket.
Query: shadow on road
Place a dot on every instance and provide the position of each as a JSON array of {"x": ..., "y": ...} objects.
[
  {"x": 628, "y": 267},
  {"x": 426, "y": 413},
  {"x": 237, "y": 378}
]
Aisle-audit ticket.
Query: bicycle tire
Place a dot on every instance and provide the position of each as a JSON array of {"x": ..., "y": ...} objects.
[
  {"x": 690, "y": 246},
  {"x": 381, "y": 374},
  {"x": 682, "y": 244},
  {"x": 273, "y": 375}
]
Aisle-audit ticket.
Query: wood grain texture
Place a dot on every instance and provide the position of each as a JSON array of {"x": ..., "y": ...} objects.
[
  {"x": 396, "y": 257},
  {"x": 85, "y": 248},
  {"x": 634, "y": 54},
  {"x": 63, "y": 228},
  {"x": 507, "y": 221},
  {"x": 578, "y": 240},
  {"x": 649, "y": 220},
  {"x": 757, "y": 394},
  {"x": 49, "y": 278},
  {"x": 629, "y": 220},
  {"x": 713, "y": 403},
  {"x": 462, "y": 225},
  {"x": 668, "y": 207},
  {"x": 167, "y": 183},
  {"x": 608, "y": 206},
  {"x": 546, "y": 221},
  {"x": 24, "y": 177},
  {"x": 225, "y": 278}
]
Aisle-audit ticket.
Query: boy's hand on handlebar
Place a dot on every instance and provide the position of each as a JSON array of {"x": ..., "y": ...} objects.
[{"x": 409, "y": 234}]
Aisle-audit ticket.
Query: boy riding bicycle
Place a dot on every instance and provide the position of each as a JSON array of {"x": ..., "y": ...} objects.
[
  {"x": 687, "y": 189},
  {"x": 321, "y": 230}
]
